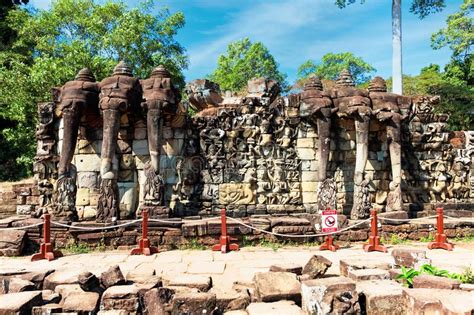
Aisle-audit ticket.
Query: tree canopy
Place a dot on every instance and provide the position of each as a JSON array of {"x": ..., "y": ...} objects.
[
  {"x": 332, "y": 64},
  {"x": 458, "y": 35},
  {"x": 243, "y": 61},
  {"x": 52, "y": 45},
  {"x": 422, "y": 8}
]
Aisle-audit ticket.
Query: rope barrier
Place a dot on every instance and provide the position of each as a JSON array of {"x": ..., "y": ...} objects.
[
  {"x": 23, "y": 227},
  {"x": 297, "y": 235},
  {"x": 406, "y": 220},
  {"x": 95, "y": 228}
]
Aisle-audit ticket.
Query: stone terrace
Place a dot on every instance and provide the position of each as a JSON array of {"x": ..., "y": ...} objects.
[{"x": 225, "y": 276}]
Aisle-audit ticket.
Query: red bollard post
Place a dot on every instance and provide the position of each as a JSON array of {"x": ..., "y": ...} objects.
[
  {"x": 144, "y": 247},
  {"x": 440, "y": 239},
  {"x": 46, "y": 248},
  {"x": 329, "y": 244},
  {"x": 225, "y": 244},
  {"x": 374, "y": 239}
]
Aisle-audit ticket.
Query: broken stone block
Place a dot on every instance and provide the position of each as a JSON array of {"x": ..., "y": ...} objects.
[
  {"x": 293, "y": 268},
  {"x": 121, "y": 297},
  {"x": 274, "y": 286},
  {"x": 50, "y": 297},
  {"x": 193, "y": 303},
  {"x": 316, "y": 266},
  {"x": 113, "y": 312},
  {"x": 64, "y": 290},
  {"x": 50, "y": 308},
  {"x": 381, "y": 297},
  {"x": 157, "y": 301},
  {"x": 113, "y": 276},
  {"x": 89, "y": 282},
  {"x": 410, "y": 258},
  {"x": 346, "y": 265},
  {"x": 368, "y": 274},
  {"x": 37, "y": 277},
  {"x": 59, "y": 277},
  {"x": 202, "y": 283},
  {"x": 227, "y": 300},
  {"x": 81, "y": 302},
  {"x": 434, "y": 282},
  {"x": 333, "y": 295},
  {"x": 20, "y": 303},
  {"x": 11, "y": 242},
  {"x": 15, "y": 285},
  {"x": 280, "y": 307}
]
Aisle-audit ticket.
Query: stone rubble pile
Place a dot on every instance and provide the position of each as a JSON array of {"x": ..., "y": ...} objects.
[{"x": 284, "y": 289}]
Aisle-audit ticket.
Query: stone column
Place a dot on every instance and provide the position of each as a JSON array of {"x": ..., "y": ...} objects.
[
  {"x": 355, "y": 103},
  {"x": 119, "y": 93},
  {"x": 74, "y": 97},
  {"x": 318, "y": 107}
]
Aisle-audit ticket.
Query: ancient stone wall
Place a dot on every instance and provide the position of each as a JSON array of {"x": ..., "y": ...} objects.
[{"x": 265, "y": 154}]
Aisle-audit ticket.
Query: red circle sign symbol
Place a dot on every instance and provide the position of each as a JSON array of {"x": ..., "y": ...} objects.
[{"x": 330, "y": 221}]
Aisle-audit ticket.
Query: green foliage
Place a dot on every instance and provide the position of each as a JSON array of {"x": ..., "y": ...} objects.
[
  {"x": 332, "y": 64},
  {"x": 394, "y": 240},
  {"x": 243, "y": 61},
  {"x": 427, "y": 239},
  {"x": 407, "y": 276},
  {"x": 422, "y": 8},
  {"x": 84, "y": 248},
  {"x": 433, "y": 271},
  {"x": 7, "y": 35},
  {"x": 459, "y": 32},
  {"x": 467, "y": 276},
  {"x": 52, "y": 45},
  {"x": 193, "y": 244},
  {"x": 459, "y": 37},
  {"x": 457, "y": 96}
]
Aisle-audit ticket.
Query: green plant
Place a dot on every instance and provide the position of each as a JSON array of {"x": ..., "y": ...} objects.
[
  {"x": 465, "y": 239},
  {"x": 407, "y": 275},
  {"x": 434, "y": 271},
  {"x": 193, "y": 244},
  {"x": 394, "y": 239},
  {"x": 78, "y": 248},
  {"x": 467, "y": 276},
  {"x": 427, "y": 239}
]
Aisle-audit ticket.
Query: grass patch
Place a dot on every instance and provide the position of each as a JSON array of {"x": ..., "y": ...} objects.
[
  {"x": 193, "y": 244},
  {"x": 394, "y": 239},
  {"x": 74, "y": 248},
  {"x": 427, "y": 239},
  {"x": 464, "y": 239}
]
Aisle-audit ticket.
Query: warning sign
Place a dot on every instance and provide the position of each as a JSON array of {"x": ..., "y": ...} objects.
[{"x": 329, "y": 221}]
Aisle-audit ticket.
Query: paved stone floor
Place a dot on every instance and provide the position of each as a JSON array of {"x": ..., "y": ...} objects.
[{"x": 226, "y": 268}]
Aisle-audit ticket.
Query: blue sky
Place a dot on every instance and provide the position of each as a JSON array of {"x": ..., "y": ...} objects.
[{"x": 298, "y": 30}]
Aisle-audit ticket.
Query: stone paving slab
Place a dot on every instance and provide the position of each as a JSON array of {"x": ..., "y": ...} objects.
[{"x": 225, "y": 269}]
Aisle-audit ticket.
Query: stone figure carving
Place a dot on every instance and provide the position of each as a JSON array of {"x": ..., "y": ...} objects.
[
  {"x": 73, "y": 98},
  {"x": 317, "y": 106},
  {"x": 355, "y": 103},
  {"x": 160, "y": 98},
  {"x": 44, "y": 129},
  {"x": 120, "y": 93},
  {"x": 204, "y": 96},
  {"x": 386, "y": 108},
  {"x": 236, "y": 194}
]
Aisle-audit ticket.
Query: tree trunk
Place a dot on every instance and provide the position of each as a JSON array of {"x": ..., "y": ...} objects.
[{"x": 397, "y": 46}]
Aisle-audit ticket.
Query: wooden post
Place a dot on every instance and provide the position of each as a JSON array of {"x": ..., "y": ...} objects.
[
  {"x": 46, "y": 248},
  {"x": 374, "y": 239},
  {"x": 440, "y": 239}
]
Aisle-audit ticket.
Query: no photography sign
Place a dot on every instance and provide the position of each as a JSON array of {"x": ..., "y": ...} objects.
[{"x": 329, "y": 221}]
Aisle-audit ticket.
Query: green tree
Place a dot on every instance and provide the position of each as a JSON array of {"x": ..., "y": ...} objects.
[
  {"x": 456, "y": 96},
  {"x": 52, "y": 45},
  {"x": 459, "y": 37},
  {"x": 422, "y": 8},
  {"x": 7, "y": 35},
  {"x": 243, "y": 61},
  {"x": 332, "y": 64}
]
